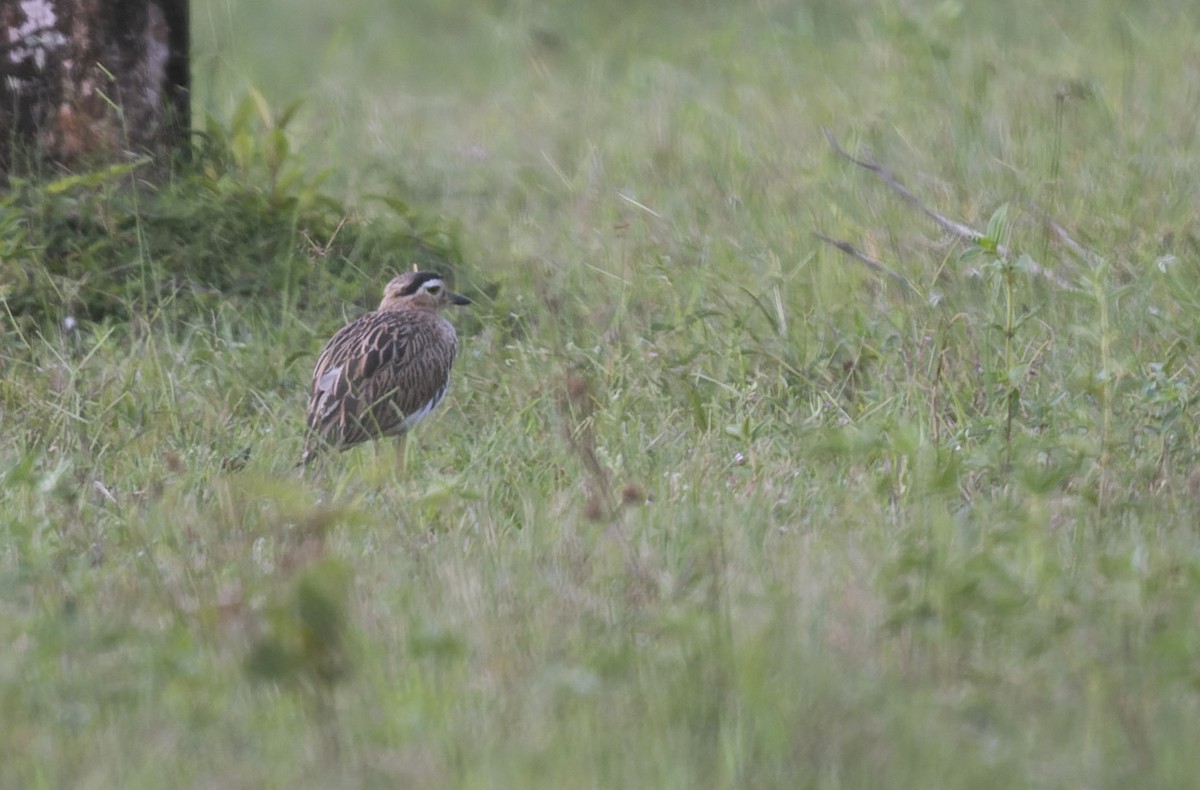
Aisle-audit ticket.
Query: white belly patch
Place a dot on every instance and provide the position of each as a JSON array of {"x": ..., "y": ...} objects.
[
  {"x": 417, "y": 415},
  {"x": 423, "y": 412}
]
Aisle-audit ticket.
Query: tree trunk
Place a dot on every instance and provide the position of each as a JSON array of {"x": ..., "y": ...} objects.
[{"x": 88, "y": 79}]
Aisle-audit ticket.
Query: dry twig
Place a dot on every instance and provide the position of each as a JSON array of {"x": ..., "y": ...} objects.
[
  {"x": 1083, "y": 253},
  {"x": 958, "y": 229},
  {"x": 870, "y": 262},
  {"x": 950, "y": 226}
]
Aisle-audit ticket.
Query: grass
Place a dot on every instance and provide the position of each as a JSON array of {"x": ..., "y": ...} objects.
[{"x": 710, "y": 504}]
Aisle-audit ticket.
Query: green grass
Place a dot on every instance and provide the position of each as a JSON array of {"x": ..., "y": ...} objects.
[{"x": 710, "y": 504}]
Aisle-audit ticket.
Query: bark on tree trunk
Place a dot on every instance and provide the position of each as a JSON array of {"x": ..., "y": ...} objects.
[{"x": 86, "y": 79}]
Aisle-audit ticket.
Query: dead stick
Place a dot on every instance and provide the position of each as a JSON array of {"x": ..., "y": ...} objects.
[
  {"x": 870, "y": 262},
  {"x": 1085, "y": 254},
  {"x": 948, "y": 225},
  {"x": 964, "y": 232}
]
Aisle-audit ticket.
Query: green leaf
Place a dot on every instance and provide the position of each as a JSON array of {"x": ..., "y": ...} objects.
[
  {"x": 270, "y": 660},
  {"x": 321, "y": 600},
  {"x": 95, "y": 178},
  {"x": 288, "y": 114},
  {"x": 277, "y": 148},
  {"x": 997, "y": 227},
  {"x": 397, "y": 205}
]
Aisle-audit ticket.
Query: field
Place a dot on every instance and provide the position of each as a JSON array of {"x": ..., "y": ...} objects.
[{"x": 713, "y": 502}]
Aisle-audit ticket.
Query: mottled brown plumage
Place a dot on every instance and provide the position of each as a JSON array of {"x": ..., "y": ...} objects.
[{"x": 384, "y": 372}]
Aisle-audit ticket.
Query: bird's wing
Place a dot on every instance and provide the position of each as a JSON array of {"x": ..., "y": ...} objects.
[{"x": 368, "y": 379}]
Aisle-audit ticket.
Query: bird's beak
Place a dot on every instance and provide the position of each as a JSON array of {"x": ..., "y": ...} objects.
[{"x": 459, "y": 299}]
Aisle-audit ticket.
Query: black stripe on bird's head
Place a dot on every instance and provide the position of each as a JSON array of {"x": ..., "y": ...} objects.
[
  {"x": 411, "y": 282},
  {"x": 419, "y": 290}
]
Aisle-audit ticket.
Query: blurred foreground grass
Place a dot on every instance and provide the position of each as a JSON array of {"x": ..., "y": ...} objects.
[{"x": 710, "y": 504}]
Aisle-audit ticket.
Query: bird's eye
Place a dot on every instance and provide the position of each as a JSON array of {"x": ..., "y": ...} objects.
[{"x": 435, "y": 289}]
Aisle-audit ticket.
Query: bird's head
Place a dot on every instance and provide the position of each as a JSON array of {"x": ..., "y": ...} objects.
[{"x": 419, "y": 291}]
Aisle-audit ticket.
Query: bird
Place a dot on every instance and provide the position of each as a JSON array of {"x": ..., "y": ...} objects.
[{"x": 385, "y": 371}]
